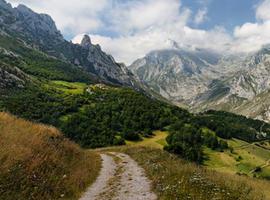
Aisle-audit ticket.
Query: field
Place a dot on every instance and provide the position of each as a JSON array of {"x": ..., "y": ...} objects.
[
  {"x": 166, "y": 169},
  {"x": 157, "y": 141},
  {"x": 69, "y": 87},
  {"x": 244, "y": 159},
  {"x": 37, "y": 162},
  {"x": 174, "y": 178}
]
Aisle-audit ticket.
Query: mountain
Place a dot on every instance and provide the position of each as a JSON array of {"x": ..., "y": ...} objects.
[
  {"x": 202, "y": 80},
  {"x": 243, "y": 92},
  {"x": 179, "y": 75},
  {"x": 40, "y": 32},
  {"x": 97, "y": 102},
  {"x": 11, "y": 77}
]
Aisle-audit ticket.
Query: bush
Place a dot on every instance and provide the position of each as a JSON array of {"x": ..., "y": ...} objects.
[
  {"x": 186, "y": 142},
  {"x": 131, "y": 135}
]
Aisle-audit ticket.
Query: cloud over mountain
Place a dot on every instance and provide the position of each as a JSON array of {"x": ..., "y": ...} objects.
[{"x": 129, "y": 29}]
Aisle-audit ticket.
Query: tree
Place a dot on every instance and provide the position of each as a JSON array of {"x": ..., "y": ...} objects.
[{"x": 186, "y": 142}]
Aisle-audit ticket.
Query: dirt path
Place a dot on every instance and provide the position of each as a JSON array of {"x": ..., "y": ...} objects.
[{"x": 120, "y": 179}]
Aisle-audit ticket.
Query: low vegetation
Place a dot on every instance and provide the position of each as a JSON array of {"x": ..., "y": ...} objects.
[
  {"x": 94, "y": 115},
  {"x": 37, "y": 162},
  {"x": 188, "y": 140},
  {"x": 245, "y": 159},
  {"x": 228, "y": 125},
  {"x": 38, "y": 64},
  {"x": 174, "y": 178}
]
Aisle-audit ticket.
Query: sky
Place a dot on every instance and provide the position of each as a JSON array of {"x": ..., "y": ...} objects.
[{"x": 129, "y": 29}]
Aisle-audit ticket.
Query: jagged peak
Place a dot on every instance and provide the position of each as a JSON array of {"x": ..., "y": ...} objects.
[
  {"x": 4, "y": 4},
  {"x": 86, "y": 41},
  {"x": 24, "y": 9}
]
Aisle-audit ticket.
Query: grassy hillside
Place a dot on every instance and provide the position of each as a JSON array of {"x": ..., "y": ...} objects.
[
  {"x": 248, "y": 159},
  {"x": 15, "y": 53},
  {"x": 37, "y": 162},
  {"x": 92, "y": 115},
  {"x": 174, "y": 178},
  {"x": 241, "y": 158}
]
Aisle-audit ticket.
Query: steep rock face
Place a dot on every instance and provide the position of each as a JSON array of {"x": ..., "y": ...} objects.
[
  {"x": 11, "y": 76},
  {"x": 252, "y": 76},
  {"x": 258, "y": 107},
  {"x": 176, "y": 74},
  {"x": 203, "y": 80},
  {"x": 245, "y": 92},
  {"x": 101, "y": 64},
  {"x": 40, "y": 31}
]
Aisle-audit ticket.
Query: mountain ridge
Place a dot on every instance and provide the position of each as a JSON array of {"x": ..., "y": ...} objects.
[
  {"x": 40, "y": 31},
  {"x": 201, "y": 80}
]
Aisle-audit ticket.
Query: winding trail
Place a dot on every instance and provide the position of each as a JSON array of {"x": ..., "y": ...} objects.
[{"x": 121, "y": 178}]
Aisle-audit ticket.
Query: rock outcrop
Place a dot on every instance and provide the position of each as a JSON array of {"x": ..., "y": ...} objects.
[
  {"x": 204, "y": 80},
  {"x": 40, "y": 31}
]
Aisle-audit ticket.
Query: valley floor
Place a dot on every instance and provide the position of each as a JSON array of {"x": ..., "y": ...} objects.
[{"x": 244, "y": 159}]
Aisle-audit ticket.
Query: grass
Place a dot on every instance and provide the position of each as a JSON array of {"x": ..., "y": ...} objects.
[
  {"x": 174, "y": 178},
  {"x": 69, "y": 87},
  {"x": 37, "y": 162},
  {"x": 157, "y": 141},
  {"x": 244, "y": 158}
]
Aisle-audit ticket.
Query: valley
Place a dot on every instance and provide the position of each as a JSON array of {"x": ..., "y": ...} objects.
[
  {"x": 201, "y": 79},
  {"x": 242, "y": 158},
  {"x": 179, "y": 123}
]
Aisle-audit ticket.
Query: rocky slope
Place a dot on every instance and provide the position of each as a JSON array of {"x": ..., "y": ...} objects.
[
  {"x": 204, "y": 80},
  {"x": 179, "y": 75},
  {"x": 11, "y": 77},
  {"x": 40, "y": 32}
]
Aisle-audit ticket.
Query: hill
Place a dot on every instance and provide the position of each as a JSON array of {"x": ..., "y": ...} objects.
[
  {"x": 40, "y": 32},
  {"x": 37, "y": 162},
  {"x": 175, "y": 178}
]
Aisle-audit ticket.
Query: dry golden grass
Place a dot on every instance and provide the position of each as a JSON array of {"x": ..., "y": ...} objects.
[{"x": 37, "y": 162}]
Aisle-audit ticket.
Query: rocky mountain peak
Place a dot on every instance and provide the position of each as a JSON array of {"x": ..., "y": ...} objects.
[
  {"x": 24, "y": 9},
  {"x": 4, "y": 4},
  {"x": 86, "y": 41},
  {"x": 32, "y": 22},
  {"x": 40, "y": 31}
]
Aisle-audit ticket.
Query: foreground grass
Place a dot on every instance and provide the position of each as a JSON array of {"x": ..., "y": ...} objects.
[
  {"x": 174, "y": 178},
  {"x": 36, "y": 162}
]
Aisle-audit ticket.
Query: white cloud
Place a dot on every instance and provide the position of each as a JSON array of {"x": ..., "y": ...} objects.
[
  {"x": 140, "y": 26},
  {"x": 263, "y": 10},
  {"x": 139, "y": 15},
  {"x": 201, "y": 16},
  {"x": 130, "y": 48},
  {"x": 151, "y": 25},
  {"x": 252, "y": 36},
  {"x": 71, "y": 16}
]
